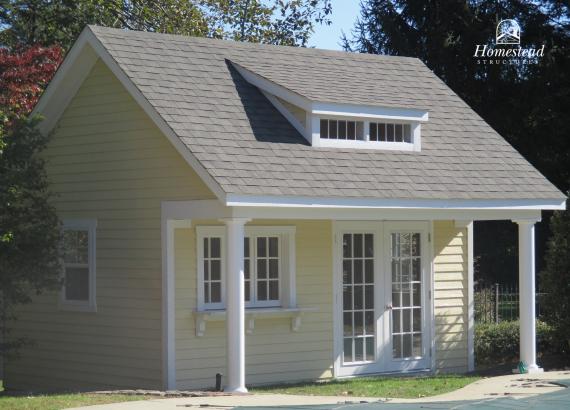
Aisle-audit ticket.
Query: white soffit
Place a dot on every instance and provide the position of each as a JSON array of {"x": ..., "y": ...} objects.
[{"x": 369, "y": 203}]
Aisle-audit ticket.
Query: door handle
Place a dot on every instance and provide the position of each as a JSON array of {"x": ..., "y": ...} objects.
[{"x": 389, "y": 306}]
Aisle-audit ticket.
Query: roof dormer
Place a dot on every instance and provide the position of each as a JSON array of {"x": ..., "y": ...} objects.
[{"x": 340, "y": 125}]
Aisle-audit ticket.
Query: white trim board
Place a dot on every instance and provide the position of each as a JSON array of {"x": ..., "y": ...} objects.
[
  {"x": 381, "y": 230},
  {"x": 290, "y": 117},
  {"x": 168, "y": 225},
  {"x": 213, "y": 209},
  {"x": 468, "y": 226},
  {"x": 71, "y": 74},
  {"x": 461, "y": 204}
]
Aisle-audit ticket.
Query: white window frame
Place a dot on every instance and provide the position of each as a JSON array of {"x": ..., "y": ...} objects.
[
  {"x": 414, "y": 145},
  {"x": 89, "y": 305},
  {"x": 287, "y": 274},
  {"x": 207, "y": 232}
]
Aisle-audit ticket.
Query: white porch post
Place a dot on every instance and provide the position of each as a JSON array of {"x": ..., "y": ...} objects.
[
  {"x": 527, "y": 295},
  {"x": 235, "y": 306}
]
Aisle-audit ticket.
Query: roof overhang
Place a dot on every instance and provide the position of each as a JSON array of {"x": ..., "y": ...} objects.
[
  {"x": 371, "y": 203},
  {"x": 212, "y": 209}
]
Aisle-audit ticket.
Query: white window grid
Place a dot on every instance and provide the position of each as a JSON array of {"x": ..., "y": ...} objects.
[
  {"x": 342, "y": 129},
  {"x": 406, "y": 295},
  {"x": 212, "y": 273},
  {"x": 73, "y": 260},
  {"x": 390, "y": 132},
  {"x": 285, "y": 265},
  {"x": 258, "y": 267},
  {"x": 358, "y": 278}
]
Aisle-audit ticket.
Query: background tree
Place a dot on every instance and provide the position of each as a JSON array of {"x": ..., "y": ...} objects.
[
  {"x": 527, "y": 104},
  {"x": 47, "y": 22},
  {"x": 275, "y": 22},
  {"x": 29, "y": 227},
  {"x": 556, "y": 277}
]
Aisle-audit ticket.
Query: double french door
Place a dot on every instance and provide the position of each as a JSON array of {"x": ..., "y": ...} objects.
[{"x": 382, "y": 307}]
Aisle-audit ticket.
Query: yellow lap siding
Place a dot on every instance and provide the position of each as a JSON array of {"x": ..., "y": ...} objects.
[
  {"x": 450, "y": 297},
  {"x": 274, "y": 353},
  {"x": 107, "y": 161}
]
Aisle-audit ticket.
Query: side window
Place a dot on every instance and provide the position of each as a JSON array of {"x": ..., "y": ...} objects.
[
  {"x": 262, "y": 277},
  {"x": 212, "y": 261},
  {"x": 269, "y": 267},
  {"x": 210, "y": 250},
  {"x": 78, "y": 291}
]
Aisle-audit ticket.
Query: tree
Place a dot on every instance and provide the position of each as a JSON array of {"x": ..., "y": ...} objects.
[
  {"x": 528, "y": 105},
  {"x": 48, "y": 22},
  {"x": 24, "y": 74},
  {"x": 556, "y": 277},
  {"x": 275, "y": 22},
  {"x": 29, "y": 227}
]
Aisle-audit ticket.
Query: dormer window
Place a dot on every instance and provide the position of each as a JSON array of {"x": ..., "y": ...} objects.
[
  {"x": 342, "y": 129},
  {"x": 384, "y": 134},
  {"x": 390, "y": 132}
]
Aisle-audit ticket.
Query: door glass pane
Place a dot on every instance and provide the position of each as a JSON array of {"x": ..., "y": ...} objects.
[
  {"x": 347, "y": 271},
  {"x": 348, "y": 350},
  {"x": 368, "y": 245},
  {"x": 417, "y": 345},
  {"x": 247, "y": 269},
  {"x": 357, "y": 240},
  {"x": 347, "y": 323},
  {"x": 406, "y": 275},
  {"x": 407, "y": 345},
  {"x": 369, "y": 348},
  {"x": 359, "y": 349},
  {"x": 369, "y": 270},
  {"x": 347, "y": 298},
  {"x": 369, "y": 322},
  {"x": 369, "y": 297},
  {"x": 358, "y": 297},
  {"x": 358, "y": 271},
  {"x": 215, "y": 247}
]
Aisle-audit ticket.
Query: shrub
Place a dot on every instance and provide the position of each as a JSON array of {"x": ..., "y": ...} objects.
[{"x": 499, "y": 343}]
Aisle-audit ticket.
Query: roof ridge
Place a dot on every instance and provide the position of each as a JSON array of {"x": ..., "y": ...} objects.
[{"x": 182, "y": 38}]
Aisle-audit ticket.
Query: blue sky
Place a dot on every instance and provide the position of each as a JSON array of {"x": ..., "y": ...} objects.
[{"x": 344, "y": 15}]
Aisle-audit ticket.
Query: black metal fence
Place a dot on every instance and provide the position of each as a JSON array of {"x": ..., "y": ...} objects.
[{"x": 498, "y": 302}]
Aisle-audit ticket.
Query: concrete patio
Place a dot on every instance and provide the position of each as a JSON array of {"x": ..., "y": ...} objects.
[{"x": 475, "y": 395}]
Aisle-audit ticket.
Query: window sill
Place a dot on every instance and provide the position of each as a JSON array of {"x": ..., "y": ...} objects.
[
  {"x": 251, "y": 315},
  {"x": 376, "y": 145}
]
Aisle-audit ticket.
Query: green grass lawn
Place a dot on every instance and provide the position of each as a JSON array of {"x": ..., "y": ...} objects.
[
  {"x": 394, "y": 387},
  {"x": 60, "y": 401}
]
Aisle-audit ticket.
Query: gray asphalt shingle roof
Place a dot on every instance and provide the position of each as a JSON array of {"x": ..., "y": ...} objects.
[{"x": 249, "y": 148}]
